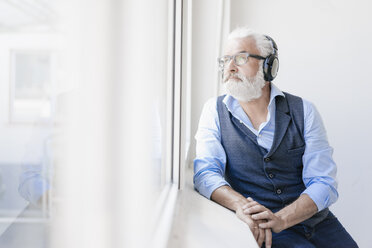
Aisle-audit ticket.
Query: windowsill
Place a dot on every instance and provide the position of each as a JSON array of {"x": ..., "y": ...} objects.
[{"x": 200, "y": 222}]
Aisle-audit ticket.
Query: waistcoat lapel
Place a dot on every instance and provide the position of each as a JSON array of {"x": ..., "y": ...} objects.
[
  {"x": 282, "y": 119},
  {"x": 244, "y": 129}
]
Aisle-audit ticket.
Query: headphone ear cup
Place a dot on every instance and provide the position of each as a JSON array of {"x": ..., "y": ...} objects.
[
  {"x": 274, "y": 67},
  {"x": 266, "y": 68},
  {"x": 271, "y": 63},
  {"x": 270, "y": 67}
]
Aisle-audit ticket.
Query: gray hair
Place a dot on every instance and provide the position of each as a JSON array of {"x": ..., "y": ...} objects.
[{"x": 263, "y": 44}]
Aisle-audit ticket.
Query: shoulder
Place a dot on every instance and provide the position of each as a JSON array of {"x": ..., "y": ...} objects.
[
  {"x": 210, "y": 105},
  {"x": 292, "y": 98},
  {"x": 310, "y": 112},
  {"x": 209, "y": 112},
  {"x": 308, "y": 107},
  {"x": 208, "y": 122}
]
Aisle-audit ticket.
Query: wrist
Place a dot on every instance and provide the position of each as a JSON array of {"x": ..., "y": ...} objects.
[
  {"x": 283, "y": 223},
  {"x": 238, "y": 204}
]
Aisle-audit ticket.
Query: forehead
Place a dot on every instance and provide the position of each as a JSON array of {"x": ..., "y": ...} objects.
[{"x": 237, "y": 45}]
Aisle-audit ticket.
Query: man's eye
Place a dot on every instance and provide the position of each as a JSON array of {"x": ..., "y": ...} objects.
[
  {"x": 240, "y": 59},
  {"x": 226, "y": 60}
]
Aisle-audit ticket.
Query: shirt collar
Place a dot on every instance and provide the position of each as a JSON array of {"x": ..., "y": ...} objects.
[{"x": 275, "y": 91}]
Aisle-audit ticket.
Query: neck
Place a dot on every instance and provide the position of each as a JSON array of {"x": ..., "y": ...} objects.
[
  {"x": 256, "y": 110},
  {"x": 260, "y": 104}
]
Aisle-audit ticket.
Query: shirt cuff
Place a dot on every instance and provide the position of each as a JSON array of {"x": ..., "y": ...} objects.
[
  {"x": 321, "y": 194},
  {"x": 207, "y": 187}
]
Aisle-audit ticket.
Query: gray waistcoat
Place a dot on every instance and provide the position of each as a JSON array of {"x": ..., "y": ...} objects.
[{"x": 272, "y": 178}]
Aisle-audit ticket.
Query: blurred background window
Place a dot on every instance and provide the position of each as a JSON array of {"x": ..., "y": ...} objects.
[
  {"x": 87, "y": 92},
  {"x": 31, "y": 86}
]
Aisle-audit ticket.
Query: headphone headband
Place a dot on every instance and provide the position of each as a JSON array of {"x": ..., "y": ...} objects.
[{"x": 273, "y": 44}]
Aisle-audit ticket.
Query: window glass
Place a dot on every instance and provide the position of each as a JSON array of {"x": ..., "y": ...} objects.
[
  {"x": 58, "y": 104},
  {"x": 31, "y": 98},
  {"x": 27, "y": 127},
  {"x": 162, "y": 96}
]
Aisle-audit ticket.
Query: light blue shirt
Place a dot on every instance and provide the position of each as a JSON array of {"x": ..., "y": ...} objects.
[{"x": 319, "y": 169}]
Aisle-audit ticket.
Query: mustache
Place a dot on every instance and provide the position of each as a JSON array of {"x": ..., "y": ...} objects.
[{"x": 231, "y": 75}]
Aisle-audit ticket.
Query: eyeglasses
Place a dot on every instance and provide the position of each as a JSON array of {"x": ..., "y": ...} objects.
[{"x": 239, "y": 59}]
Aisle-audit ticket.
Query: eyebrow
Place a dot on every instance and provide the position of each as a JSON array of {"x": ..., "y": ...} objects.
[{"x": 238, "y": 53}]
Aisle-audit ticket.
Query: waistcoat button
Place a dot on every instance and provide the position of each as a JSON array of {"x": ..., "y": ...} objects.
[
  {"x": 268, "y": 159},
  {"x": 278, "y": 191},
  {"x": 271, "y": 175}
]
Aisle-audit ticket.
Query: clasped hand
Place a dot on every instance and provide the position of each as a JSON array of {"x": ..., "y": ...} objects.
[{"x": 261, "y": 221}]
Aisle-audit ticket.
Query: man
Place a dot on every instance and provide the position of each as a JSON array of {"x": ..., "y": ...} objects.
[{"x": 264, "y": 154}]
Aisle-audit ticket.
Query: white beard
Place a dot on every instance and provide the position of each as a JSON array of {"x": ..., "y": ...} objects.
[{"x": 246, "y": 90}]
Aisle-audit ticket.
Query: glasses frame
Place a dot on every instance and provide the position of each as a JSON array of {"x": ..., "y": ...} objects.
[{"x": 233, "y": 57}]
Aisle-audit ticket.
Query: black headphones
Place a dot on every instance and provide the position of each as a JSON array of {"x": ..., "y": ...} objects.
[{"x": 271, "y": 63}]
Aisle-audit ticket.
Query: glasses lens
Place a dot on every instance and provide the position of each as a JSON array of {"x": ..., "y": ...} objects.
[
  {"x": 223, "y": 61},
  {"x": 240, "y": 59}
]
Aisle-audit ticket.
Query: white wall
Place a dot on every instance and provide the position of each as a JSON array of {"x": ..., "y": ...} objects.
[{"x": 324, "y": 52}]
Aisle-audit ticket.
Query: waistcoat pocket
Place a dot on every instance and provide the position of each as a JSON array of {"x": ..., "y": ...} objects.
[{"x": 297, "y": 150}]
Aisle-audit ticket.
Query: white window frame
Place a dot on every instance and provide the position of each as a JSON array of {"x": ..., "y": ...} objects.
[{"x": 167, "y": 201}]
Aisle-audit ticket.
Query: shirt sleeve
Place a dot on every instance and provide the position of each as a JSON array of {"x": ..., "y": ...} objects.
[
  {"x": 210, "y": 161},
  {"x": 319, "y": 172}
]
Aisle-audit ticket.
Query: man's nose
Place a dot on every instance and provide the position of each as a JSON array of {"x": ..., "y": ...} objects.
[{"x": 231, "y": 67}]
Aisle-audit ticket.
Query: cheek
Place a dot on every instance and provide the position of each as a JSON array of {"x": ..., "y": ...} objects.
[{"x": 251, "y": 70}]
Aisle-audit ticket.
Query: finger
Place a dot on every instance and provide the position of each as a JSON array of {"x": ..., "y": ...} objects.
[
  {"x": 261, "y": 237},
  {"x": 265, "y": 215},
  {"x": 268, "y": 238},
  {"x": 247, "y": 219},
  {"x": 260, "y": 221},
  {"x": 255, "y": 231},
  {"x": 255, "y": 209},
  {"x": 250, "y": 199},
  {"x": 269, "y": 224},
  {"x": 250, "y": 204},
  {"x": 251, "y": 224}
]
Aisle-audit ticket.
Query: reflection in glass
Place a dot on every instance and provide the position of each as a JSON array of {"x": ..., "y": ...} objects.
[
  {"x": 32, "y": 85},
  {"x": 27, "y": 132}
]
